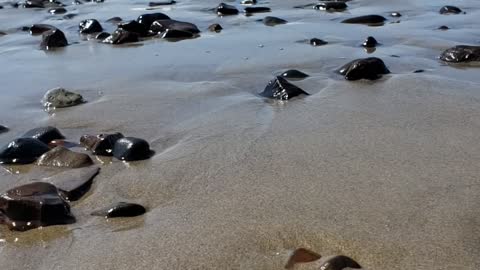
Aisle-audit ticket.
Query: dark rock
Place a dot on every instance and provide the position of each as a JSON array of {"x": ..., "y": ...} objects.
[
  {"x": 250, "y": 10},
  {"x": 331, "y": 6},
  {"x": 34, "y": 205},
  {"x": 395, "y": 14},
  {"x": 3, "y": 129},
  {"x": 223, "y": 9},
  {"x": 443, "y": 27},
  {"x": 44, "y": 134},
  {"x": 74, "y": 183},
  {"x": 102, "y": 35},
  {"x": 38, "y": 29},
  {"x": 135, "y": 27},
  {"x": 450, "y": 10},
  {"x": 114, "y": 20},
  {"x": 22, "y": 151},
  {"x": 248, "y": 2},
  {"x": 317, "y": 42},
  {"x": 215, "y": 27},
  {"x": 69, "y": 16},
  {"x": 177, "y": 34},
  {"x": 294, "y": 74},
  {"x": 60, "y": 98},
  {"x": 89, "y": 26},
  {"x": 131, "y": 149},
  {"x": 301, "y": 255},
  {"x": 338, "y": 263},
  {"x": 366, "y": 68},
  {"x": 272, "y": 21},
  {"x": 121, "y": 36},
  {"x": 164, "y": 25},
  {"x": 279, "y": 88},
  {"x": 77, "y": 2},
  {"x": 370, "y": 42},
  {"x": 461, "y": 53},
  {"x": 101, "y": 145},
  {"x": 56, "y": 11},
  {"x": 148, "y": 19},
  {"x": 34, "y": 4},
  {"x": 367, "y": 19},
  {"x": 53, "y": 39},
  {"x": 62, "y": 157},
  {"x": 121, "y": 209},
  {"x": 419, "y": 71},
  {"x": 161, "y": 3}
]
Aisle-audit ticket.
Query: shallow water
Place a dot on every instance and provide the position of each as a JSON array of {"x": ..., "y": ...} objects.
[{"x": 385, "y": 172}]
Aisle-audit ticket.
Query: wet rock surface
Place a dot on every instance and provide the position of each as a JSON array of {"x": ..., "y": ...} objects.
[
  {"x": 294, "y": 74},
  {"x": 461, "y": 54},
  {"x": 53, "y": 39},
  {"x": 366, "y": 68},
  {"x": 34, "y": 205},
  {"x": 367, "y": 19},
  {"x": 62, "y": 157},
  {"x": 317, "y": 42},
  {"x": 161, "y": 3},
  {"x": 44, "y": 134},
  {"x": 3, "y": 129},
  {"x": 89, "y": 26},
  {"x": 114, "y": 20},
  {"x": 38, "y": 29},
  {"x": 250, "y": 10},
  {"x": 61, "y": 98},
  {"x": 301, "y": 255},
  {"x": 74, "y": 183},
  {"x": 22, "y": 151},
  {"x": 224, "y": 9},
  {"x": 164, "y": 25},
  {"x": 102, "y": 144},
  {"x": 280, "y": 88},
  {"x": 331, "y": 6},
  {"x": 131, "y": 149},
  {"x": 339, "y": 262},
  {"x": 135, "y": 27},
  {"x": 121, "y": 209},
  {"x": 148, "y": 19},
  {"x": 370, "y": 42},
  {"x": 450, "y": 10},
  {"x": 215, "y": 28},
  {"x": 272, "y": 21},
  {"x": 57, "y": 11},
  {"x": 121, "y": 36},
  {"x": 177, "y": 34}
]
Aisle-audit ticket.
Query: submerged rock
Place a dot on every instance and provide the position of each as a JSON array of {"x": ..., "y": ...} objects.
[
  {"x": 215, "y": 28},
  {"x": 461, "y": 54},
  {"x": 294, "y": 74},
  {"x": 224, "y": 9},
  {"x": 22, "y": 151},
  {"x": 367, "y": 19},
  {"x": 34, "y": 205},
  {"x": 62, "y": 157},
  {"x": 370, "y": 68},
  {"x": 89, "y": 26},
  {"x": 53, "y": 39},
  {"x": 317, "y": 42},
  {"x": 74, "y": 183},
  {"x": 135, "y": 27},
  {"x": 164, "y": 25},
  {"x": 148, "y": 19},
  {"x": 3, "y": 129},
  {"x": 450, "y": 10},
  {"x": 121, "y": 209},
  {"x": 131, "y": 149},
  {"x": 280, "y": 88},
  {"x": 61, "y": 98},
  {"x": 250, "y": 10},
  {"x": 121, "y": 36},
  {"x": 339, "y": 262},
  {"x": 272, "y": 21},
  {"x": 102, "y": 144},
  {"x": 370, "y": 42},
  {"x": 44, "y": 134},
  {"x": 331, "y": 6},
  {"x": 301, "y": 255},
  {"x": 38, "y": 29}
]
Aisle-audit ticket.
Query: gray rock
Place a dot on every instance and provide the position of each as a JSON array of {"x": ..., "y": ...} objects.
[{"x": 61, "y": 98}]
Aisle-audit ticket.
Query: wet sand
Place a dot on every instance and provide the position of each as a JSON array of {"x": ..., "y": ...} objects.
[{"x": 385, "y": 172}]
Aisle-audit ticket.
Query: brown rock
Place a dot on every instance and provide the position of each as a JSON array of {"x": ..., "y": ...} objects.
[{"x": 62, "y": 157}]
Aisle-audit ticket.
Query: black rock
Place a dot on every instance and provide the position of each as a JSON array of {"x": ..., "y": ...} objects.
[
  {"x": 3, "y": 129},
  {"x": 250, "y": 10},
  {"x": 101, "y": 145},
  {"x": 367, "y": 19},
  {"x": 131, "y": 149},
  {"x": 121, "y": 36},
  {"x": 164, "y": 25},
  {"x": 279, "y": 88},
  {"x": 248, "y": 2},
  {"x": 419, "y": 71},
  {"x": 370, "y": 42},
  {"x": 38, "y": 29},
  {"x": 317, "y": 42},
  {"x": 395, "y": 14},
  {"x": 114, "y": 20},
  {"x": 294, "y": 74},
  {"x": 44, "y": 134},
  {"x": 272, "y": 21},
  {"x": 121, "y": 209},
  {"x": 56, "y": 11},
  {"x": 22, "y": 151},
  {"x": 34, "y": 4},
  {"x": 443, "y": 27},
  {"x": 339, "y": 263},
  {"x": 102, "y": 35},
  {"x": 366, "y": 68},
  {"x": 461, "y": 53},
  {"x": 215, "y": 27},
  {"x": 177, "y": 34},
  {"x": 74, "y": 183},
  {"x": 223, "y": 9},
  {"x": 89, "y": 26},
  {"x": 34, "y": 205},
  {"x": 450, "y": 10},
  {"x": 162, "y": 3},
  {"x": 53, "y": 39},
  {"x": 135, "y": 27},
  {"x": 148, "y": 19},
  {"x": 331, "y": 6}
]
